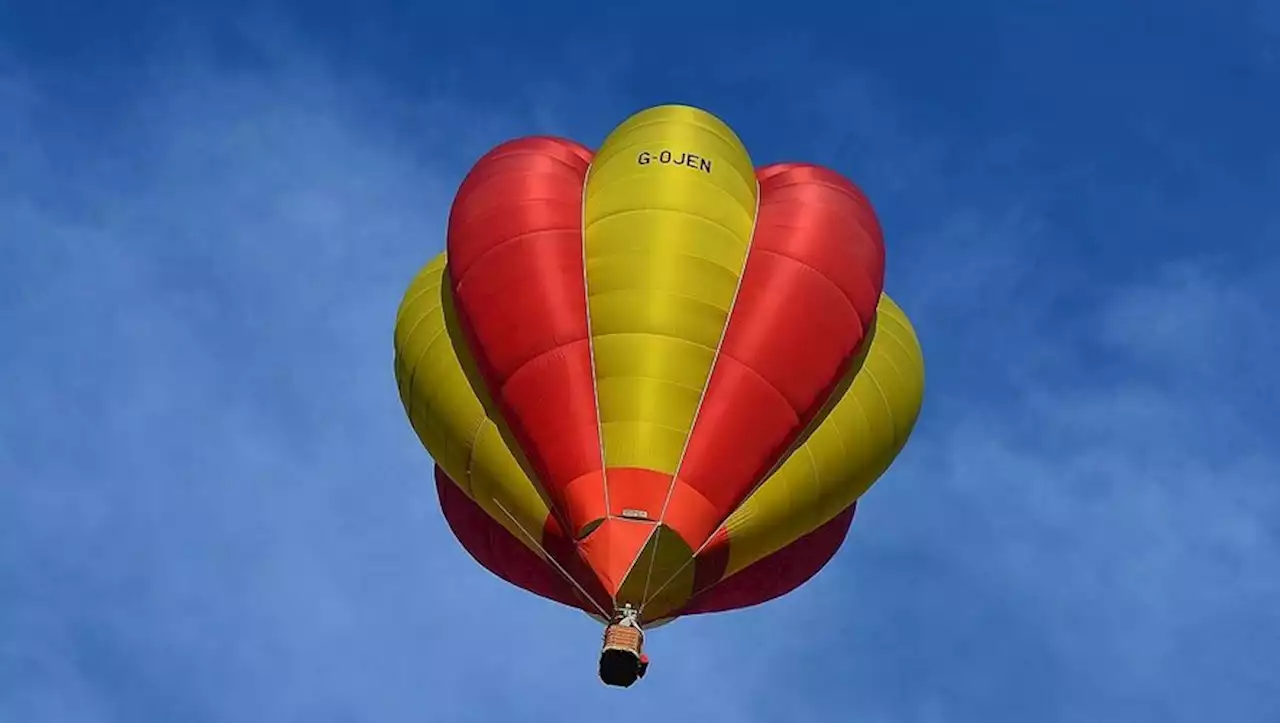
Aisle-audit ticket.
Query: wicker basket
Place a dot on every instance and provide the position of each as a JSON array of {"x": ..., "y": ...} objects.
[
  {"x": 621, "y": 662},
  {"x": 625, "y": 638}
]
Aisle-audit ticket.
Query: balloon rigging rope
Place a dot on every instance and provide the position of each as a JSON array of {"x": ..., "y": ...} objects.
[
  {"x": 556, "y": 563},
  {"x": 724, "y": 333}
]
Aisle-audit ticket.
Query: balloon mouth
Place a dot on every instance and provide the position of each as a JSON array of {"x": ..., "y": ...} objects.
[{"x": 588, "y": 528}]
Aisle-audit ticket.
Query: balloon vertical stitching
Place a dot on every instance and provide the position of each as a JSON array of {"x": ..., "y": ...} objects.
[
  {"x": 655, "y": 535},
  {"x": 591, "y": 347}
]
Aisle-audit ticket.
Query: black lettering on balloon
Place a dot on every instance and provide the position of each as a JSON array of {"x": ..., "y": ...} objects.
[{"x": 671, "y": 158}]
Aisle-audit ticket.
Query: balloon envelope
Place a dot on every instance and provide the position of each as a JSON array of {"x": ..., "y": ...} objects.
[{"x": 653, "y": 374}]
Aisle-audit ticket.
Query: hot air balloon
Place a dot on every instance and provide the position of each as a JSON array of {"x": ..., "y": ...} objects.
[{"x": 655, "y": 379}]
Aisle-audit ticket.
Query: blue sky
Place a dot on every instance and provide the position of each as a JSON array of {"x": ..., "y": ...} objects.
[{"x": 213, "y": 510}]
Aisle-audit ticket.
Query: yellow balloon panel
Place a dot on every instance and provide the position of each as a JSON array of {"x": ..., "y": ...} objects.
[
  {"x": 448, "y": 412},
  {"x": 669, "y": 210}
]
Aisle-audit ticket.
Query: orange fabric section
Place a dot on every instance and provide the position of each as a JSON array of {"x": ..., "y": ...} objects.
[
  {"x": 583, "y": 501},
  {"x": 635, "y": 491},
  {"x": 612, "y": 548}
]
